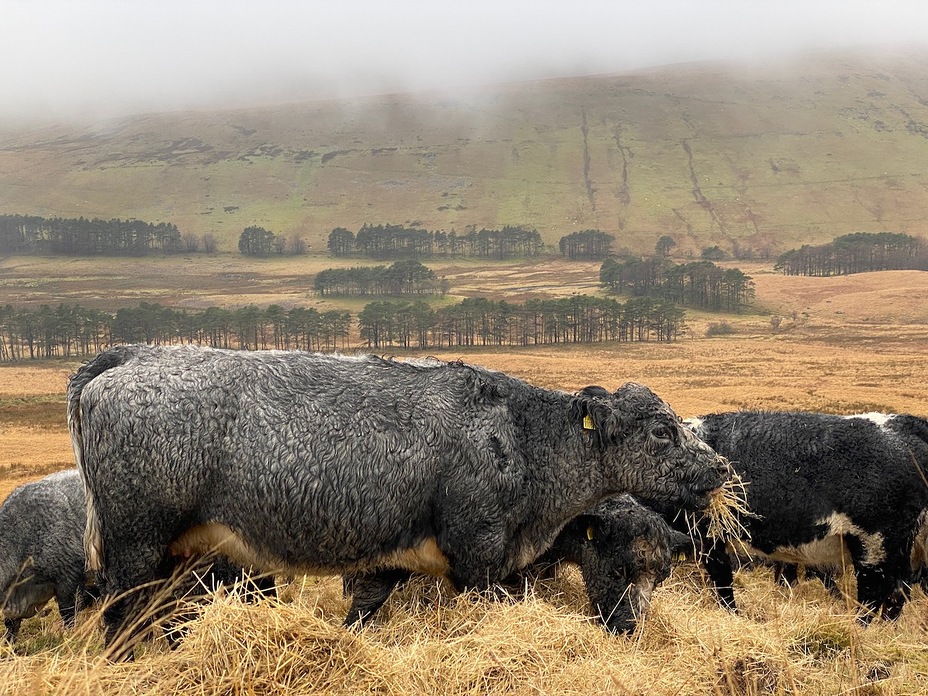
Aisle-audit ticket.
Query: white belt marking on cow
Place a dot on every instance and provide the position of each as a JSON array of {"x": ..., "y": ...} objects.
[
  {"x": 424, "y": 558},
  {"x": 213, "y": 537},
  {"x": 880, "y": 419},
  {"x": 693, "y": 423},
  {"x": 829, "y": 550}
]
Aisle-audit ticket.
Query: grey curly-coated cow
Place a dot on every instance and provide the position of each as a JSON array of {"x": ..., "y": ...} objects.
[
  {"x": 41, "y": 549},
  {"x": 324, "y": 464},
  {"x": 624, "y": 551},
  {"x": 42, "y": 555}
]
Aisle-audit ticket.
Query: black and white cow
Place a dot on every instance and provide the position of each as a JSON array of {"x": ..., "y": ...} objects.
[{"x": 824, "y": 485}]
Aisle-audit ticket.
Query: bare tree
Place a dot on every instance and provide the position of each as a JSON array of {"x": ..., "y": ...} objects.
[{"x": 190, "y": 242}]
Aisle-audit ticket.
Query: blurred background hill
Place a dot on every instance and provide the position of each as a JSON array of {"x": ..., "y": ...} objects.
[{"x": 754, "y": 160}]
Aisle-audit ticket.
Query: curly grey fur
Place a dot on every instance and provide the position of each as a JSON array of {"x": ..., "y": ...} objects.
[
  {"x": 41, "y": 555},
  {"x": 333, "y": 464}
]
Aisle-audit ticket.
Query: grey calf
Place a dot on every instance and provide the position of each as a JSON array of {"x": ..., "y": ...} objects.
[{"x": 41, "y": 549}]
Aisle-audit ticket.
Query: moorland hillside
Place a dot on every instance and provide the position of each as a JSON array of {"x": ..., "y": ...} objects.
[{"x": 752, "y": 159}]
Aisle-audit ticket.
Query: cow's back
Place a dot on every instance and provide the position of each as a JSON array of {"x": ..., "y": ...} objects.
[{"x": 318, "y": 460}]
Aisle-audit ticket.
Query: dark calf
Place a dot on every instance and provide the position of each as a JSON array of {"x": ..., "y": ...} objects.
[{"x": 623, "y": 549}]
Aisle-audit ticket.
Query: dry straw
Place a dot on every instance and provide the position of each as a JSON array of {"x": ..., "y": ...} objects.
[
  {"x": 430, "y": 640},
  {"x": 725, "y": 513}
]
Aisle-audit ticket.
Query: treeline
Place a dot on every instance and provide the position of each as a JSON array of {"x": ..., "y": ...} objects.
[
  {"x": 699, "y": 284},
  {"x": 24, "y": 234},
  {"x": 586, "y": 244},
  {"x": 76, "y": 331},
  {"x": 401, "y": 278},
  {"x": 860, "y": 252},
  {"x": 386, "y": 241},
  {"x": 483, "y": 322},
  {"x": 257, "y": 241}
]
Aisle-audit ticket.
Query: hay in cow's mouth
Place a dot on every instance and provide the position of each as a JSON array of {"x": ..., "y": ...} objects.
[{"x": 724, "y": 514}]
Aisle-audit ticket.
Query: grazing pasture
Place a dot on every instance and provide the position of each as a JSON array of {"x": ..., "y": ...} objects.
[
  {"x": 430, "y": 639},
  {"x": 844, "y": 345}
]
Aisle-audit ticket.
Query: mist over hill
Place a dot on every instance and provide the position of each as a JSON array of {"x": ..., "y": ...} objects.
[{"x": 749, "y": 159}]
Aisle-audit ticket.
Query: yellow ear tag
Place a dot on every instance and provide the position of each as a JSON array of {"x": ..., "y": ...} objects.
[
  {"x": 680, "y": 556},
  {"x": 589, "y": 533},
  {"x": 588, "y": 423}
]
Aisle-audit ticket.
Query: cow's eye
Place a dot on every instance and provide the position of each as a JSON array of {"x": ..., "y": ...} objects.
[{"x": 662, "y": 432}]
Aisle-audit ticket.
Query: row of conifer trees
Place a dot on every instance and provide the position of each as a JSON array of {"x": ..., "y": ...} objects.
[{"x": 71, "y": 330}]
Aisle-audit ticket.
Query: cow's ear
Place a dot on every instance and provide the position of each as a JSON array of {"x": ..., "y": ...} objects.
[
  {"x": 592, "y": 413},
  {"x": 681, "y": 546},
  {"x": 590, "y": 529}
]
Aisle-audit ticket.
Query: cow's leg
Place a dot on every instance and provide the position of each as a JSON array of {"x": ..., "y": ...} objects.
[
  {"x": 476, "y": 571},
  {"x": 878, "y": 586},
  {"x": 474, "y": 539},
  {"x": 131, "y": 566},
  {"x": 67, "y": 604},
  {"x": 185, "y": 587},
  {"x": 115, "y": 614},
  {"x": 69, "y": 595},
  {"x": 897, "y": 599},
  {"x": 718, "y": 567},
  {"x": 369, "y": 591},
  {"x": 873, "y": 590},
  {"x": 786, "y": 573},
  {"x": 827, "y": 578},
  {"x": 12, "y": 628},
  {"x": 880, "y": 589}
]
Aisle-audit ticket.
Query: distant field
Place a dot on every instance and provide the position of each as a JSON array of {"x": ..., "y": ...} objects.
[
  {"x": 429, "y": 641},
  {"x": 231, "y": 280}
]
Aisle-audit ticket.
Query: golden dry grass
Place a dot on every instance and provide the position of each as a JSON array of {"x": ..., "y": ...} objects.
[{"x": 429, "y": 640}]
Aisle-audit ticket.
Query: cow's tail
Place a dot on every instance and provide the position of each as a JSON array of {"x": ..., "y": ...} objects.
[{"x": 93, "y": 540}]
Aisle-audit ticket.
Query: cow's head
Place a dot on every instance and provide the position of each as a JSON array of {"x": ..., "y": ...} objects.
[
  {"x": 644, "y": 448},
  {"x": 624, "y": 552}
]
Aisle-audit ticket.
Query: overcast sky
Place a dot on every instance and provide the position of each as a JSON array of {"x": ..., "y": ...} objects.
[{"x": 103, "y": 58}]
